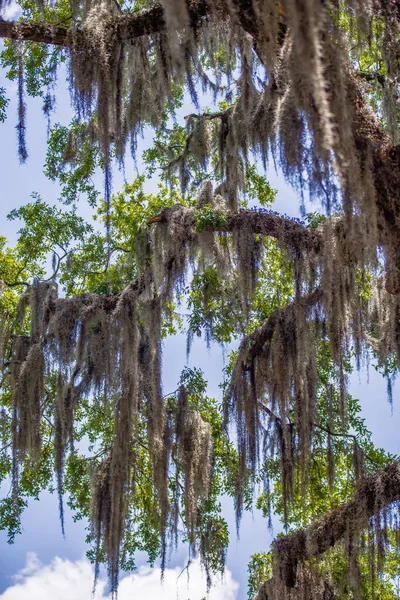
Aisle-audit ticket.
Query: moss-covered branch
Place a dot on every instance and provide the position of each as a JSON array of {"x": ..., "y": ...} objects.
[
  {"x": 381, "y": 158},
  {"x": 370, "y": 496},
  {"x": 133, "y": 25},
  {"x": 130, "y": 25},
  {"x": 290, "y": 232},
  {"x": 127, "y": 25},
  {"x": 35, "y": 32}
]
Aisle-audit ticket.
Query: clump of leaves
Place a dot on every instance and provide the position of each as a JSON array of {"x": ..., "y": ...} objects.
[{"x": 209, "y": 217}]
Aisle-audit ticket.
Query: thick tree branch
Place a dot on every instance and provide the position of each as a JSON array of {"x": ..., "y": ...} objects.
[
  {"x": 370, "y": 496},
  {"x": 132, "y": 25},
  {"x": 376, "y": 150},
  {"x": 35, "y": 32},
  {"x": 290, "y": 232},
  {"x": 109, "y": 303},
  {"x": 126, "y": 26}
]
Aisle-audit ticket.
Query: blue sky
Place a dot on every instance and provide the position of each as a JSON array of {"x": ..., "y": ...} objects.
[{"x": 41, "y": 564}]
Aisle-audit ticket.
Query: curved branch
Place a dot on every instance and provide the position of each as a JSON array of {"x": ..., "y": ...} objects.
[
  {"x": 110, "y": 303},
  {"x": 14, "y": 283},
  {"x": 290, "y": 232}
]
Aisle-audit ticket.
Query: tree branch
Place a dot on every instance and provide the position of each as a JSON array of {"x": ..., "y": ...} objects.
[
  {"x": 109, "y": 303},
  {"x": 131, "y": 25},
  {"x": 290, "y": 232},
  {"x": 377, "y": 153},
  {"x": 372, "y": 77},
  {"x": 126, "y": 26},
  {"x": 287, "y": 230},
  {"x": 336, "y": 434},
  {"x": 371, "y": 495},
  {"x": 35, "y": 32}
]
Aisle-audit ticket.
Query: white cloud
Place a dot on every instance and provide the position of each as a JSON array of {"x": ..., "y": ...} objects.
[
  {"x": 66, "y": 580},
  {"x": 11, "y": 12}
]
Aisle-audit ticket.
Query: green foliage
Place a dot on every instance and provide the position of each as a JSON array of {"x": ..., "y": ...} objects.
[
  {"x": 212, "y": 300},
  {"x": 258, "y": 188},
  {"x": 210, "y": 218},
  {"x": 344, "y": 438},
  {"x": 259, "y": 570},
  {"x": 47, "y": 229},
  {"x": 319, "y": 490},
  {"x": 314, "y": 219},
  {"x": 366, "y": 52},
  {"x": 72, "y": 159},
  {"x": 4, "y": 101},
  {"x": 41, "y": 61},
  {"x": 384, "y": 587},
  {"x": 102, "y": 267},
  {"x": 14, "y": 270},
  {"x": 275, "y": 285},
  {"x": 58, "y": 13}
]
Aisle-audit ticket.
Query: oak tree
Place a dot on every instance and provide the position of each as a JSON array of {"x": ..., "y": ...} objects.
[{"x": 311, "y": 85}]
